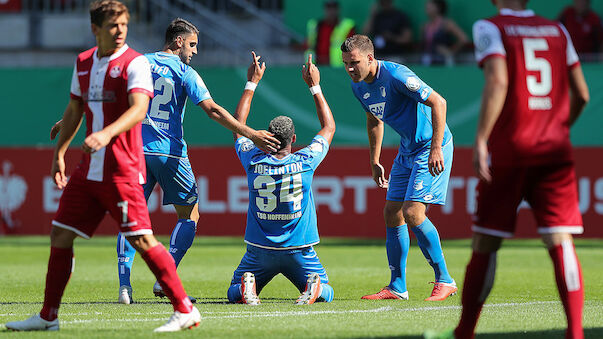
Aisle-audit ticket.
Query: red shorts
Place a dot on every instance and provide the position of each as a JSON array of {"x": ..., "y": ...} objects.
[
  {"x": 551, "y": 191},
  {"x": 84, "y": 204}
]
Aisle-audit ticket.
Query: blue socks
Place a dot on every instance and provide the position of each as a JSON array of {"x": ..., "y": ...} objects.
[
  {"x": 125, "y": 258},
  {"x": 429, "y": 242},
  {"x": 234, "y": 293},
  {"x": 397, "y": 243},
  {"x": 327, "y": 294},
  {"x": 182, "y": 238}
]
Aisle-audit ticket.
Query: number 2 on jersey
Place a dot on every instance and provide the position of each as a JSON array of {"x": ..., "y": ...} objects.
[
  {"x": 291, "y": 191},
  {"x": 164, "y": 85}
]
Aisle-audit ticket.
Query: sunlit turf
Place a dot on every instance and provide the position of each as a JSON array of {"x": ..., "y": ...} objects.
[{"x": 523, "y": 302}]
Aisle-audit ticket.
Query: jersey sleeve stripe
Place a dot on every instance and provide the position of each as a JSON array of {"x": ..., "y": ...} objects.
[{"x": 141, "y": 90}]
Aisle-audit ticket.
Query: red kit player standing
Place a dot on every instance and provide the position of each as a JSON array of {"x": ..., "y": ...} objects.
[
  {"x": 534, "y": 91},
  {"x": 111, "y": 85}
]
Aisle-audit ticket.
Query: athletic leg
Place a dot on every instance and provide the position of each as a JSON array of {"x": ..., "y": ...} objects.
[
  {"x": 479, "y": 279},
  {"x": 257, "y": 261},
  {"x": 299, "y": 265},
  {"x": 184, "y": 232},
  {"x": 125, "y": 260},
  {"x": 397, "y": 245}
]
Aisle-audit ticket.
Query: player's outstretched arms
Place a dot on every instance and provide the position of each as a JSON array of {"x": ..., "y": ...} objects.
[
  {"x": 72, "y": 119},
  {"x": 374, "y": 128},
  {"x": 579, "y": 95},
  {"x": 139, "y": 104},
  {"x": 493, "y": 99},
  {"x": 262, "y": 139},
  {"x": 311, "y": 76}
]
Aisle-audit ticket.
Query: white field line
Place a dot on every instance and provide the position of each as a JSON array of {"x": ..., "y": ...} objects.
[{"x": 276, "y": 314}]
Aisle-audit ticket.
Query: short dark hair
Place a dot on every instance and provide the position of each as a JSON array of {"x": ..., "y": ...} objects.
[
  {"x": 358, "y": 41},
  {"x": 283, "y": 129},
  {"x": 102, "y": 9},
  {"x": 179, "y": 27},
  {"x": 442, "y": 6}
]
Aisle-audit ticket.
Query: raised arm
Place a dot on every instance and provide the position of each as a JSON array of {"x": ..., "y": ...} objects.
[
  {"x": 438, "y": 122},
  {"x": 579, "y": 95},
  {"x": 311, "y": 76},
  {"x": 493, "y": 100},
  {"x": 72, "y": 119}
]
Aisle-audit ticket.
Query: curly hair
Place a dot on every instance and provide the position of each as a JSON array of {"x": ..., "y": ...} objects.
[{"x": 283, "y": 129}]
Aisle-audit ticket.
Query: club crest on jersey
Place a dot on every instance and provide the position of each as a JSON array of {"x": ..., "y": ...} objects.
[
  {"x": 366, "y": 95},
  {"x": 377, "y": 109},
  {"x": 382, "y": 89},
  {"x": 413, "y": 84},
  {"x": 246, "y": 146},
  {"x": 115, "y": 71}
]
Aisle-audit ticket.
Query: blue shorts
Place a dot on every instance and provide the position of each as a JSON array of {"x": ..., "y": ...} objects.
[
  {"x": 410, "y": 180},
  {"x": 294, "y": 264},
  {"x": 175, "y": 177}
]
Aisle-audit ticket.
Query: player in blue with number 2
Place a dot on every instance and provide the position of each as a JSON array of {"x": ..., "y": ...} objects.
[
  {"x": 281, "y": 218},
  {"x": 393, "y": 94},
  {"x": 165, "y": 149}
]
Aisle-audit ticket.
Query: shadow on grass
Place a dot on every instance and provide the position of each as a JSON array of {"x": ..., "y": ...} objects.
[{"x": 548, "y": 334}]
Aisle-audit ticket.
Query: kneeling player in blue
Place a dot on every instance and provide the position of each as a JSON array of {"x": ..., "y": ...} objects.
[
  {"x": 393, "y": 94},
  {"x": 165, "y": 150},
  {"x": 281, "y": 218}
]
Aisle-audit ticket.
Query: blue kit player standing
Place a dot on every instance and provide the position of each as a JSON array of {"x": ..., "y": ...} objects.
[
  {"x": 281, "y": 218},
  {"x": 165, "y": 149},
  {"x": 393, "y": 94}
]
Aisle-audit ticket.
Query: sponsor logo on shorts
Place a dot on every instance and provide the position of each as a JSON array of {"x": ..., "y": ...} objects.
[
  {"x": 428, "y": 197},
  {"x": 413, "y": 84},
  {"x": 191, "y": 200},
  {"x": 418, "y": 185}
]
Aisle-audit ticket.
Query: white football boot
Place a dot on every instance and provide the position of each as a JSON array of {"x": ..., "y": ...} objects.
[
  {"x": 181, "y": 321},
  {"x": 248, "y": 292},
  {"x": 125, "y": 295},
  {"x": 34, "y": 323},
  {"x": 312, "y": 292}
]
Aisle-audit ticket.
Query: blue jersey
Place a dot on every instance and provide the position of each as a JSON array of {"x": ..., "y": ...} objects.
[
  {"x": 173, "y": 81},
  {"x": 397, "y": 97},
  {"x": 281, "y": 211}
]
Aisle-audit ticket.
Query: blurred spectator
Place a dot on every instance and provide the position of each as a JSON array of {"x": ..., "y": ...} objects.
[
  {"x": 325, "y": 37},
  {"x": 442, "y": 37},
  {"x": 584, "y": 26},
  {"x": 389, "y": 28}
]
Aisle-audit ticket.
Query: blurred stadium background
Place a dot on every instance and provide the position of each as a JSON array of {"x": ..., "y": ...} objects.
[{"x": 39, "y": 40}]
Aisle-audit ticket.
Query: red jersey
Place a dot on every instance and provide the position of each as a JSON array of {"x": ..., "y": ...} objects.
[
  {"x": 104, "y": 84},
  {"x": 533, "y": 125},
  {"x": 586, "y": 31}
]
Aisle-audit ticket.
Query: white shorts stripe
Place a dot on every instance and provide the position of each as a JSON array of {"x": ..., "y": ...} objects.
[
  {"x": 561, "y": 229},
  {"x": 71, "y": 228},
  {"x": 488, "y": 231},
  {"x": 570, "y": 266},
  {"x": 139, "y": 232}
]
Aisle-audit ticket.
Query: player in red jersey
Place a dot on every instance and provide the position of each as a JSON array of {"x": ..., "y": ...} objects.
[
  {"x": 112, "y": 85},
  {"x": 530, "y": 66}
]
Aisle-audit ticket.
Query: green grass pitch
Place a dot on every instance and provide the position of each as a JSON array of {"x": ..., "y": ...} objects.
[{"x": 523, "y": 302}]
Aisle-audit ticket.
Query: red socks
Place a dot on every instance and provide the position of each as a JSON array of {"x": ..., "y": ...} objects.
[
  {"x": 479, "y": 279},
  {"x": 162, "y": 265},
  {"x": 60, "y": 264},
  {"x": 570, "y": 285}
]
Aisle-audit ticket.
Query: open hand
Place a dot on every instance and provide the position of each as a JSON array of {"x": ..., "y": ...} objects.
[
  {"x": 266, "y": 141},
  {"x": 255, "y": 72},
  {"x": 379, "y": 175},
  {"x": 310, "y": 73}
]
